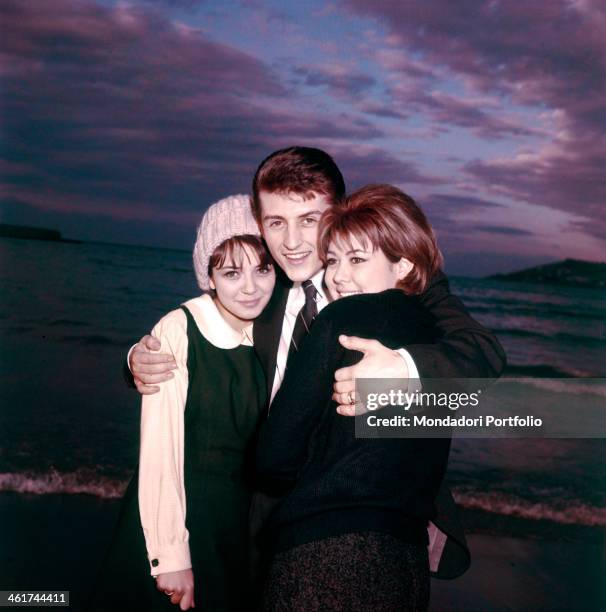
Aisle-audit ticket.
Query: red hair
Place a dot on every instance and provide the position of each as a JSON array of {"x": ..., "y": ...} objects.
[{"x": 389, "y": 220}]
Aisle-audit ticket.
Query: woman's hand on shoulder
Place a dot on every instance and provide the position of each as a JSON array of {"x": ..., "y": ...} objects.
[{"x": 179, "y": 586}]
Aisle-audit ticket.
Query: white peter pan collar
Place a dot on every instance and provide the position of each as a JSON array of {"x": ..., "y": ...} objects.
[{"x": 214, "y": 327}]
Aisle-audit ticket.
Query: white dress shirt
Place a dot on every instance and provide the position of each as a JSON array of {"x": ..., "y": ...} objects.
[{"x": 294, "y": 303}]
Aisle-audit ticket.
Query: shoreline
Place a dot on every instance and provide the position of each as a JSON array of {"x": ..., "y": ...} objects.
[{"x": 58, "y": 541}]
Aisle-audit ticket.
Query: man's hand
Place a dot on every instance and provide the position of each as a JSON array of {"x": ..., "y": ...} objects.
[
  {"x": 378, "y": 362},
  {"x": 179, "y": 586},
  {"x": 150, "y": 368}
]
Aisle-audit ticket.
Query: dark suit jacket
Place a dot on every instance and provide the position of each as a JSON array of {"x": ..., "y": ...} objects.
[{"x": 268, "y": 328}]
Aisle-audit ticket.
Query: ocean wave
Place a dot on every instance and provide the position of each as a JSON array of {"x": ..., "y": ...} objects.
[
  {"x": 519, "y": 333},
  {"x": 86, "y": 481},
  {"x": 117, "y": 264},
  {"x": 539, "y": 313},
  {"x": 568, "y": 386},
  {"x": 106, "y": 263},
  {"x": 543, "y": 370},
  {"x": 547, "y": 335},
  {"x": 82, "y": 481},
  {"x": 573, "y": 513}
]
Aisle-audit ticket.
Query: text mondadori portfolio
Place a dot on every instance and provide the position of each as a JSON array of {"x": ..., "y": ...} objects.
[{"x": 449, "y": 421}]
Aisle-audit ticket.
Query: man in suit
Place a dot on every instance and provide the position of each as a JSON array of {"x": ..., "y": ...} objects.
[{"x": 291, "y": 189}]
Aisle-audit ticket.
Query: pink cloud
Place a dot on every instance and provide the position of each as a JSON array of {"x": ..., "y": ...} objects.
[
  {"x": 110, "y": 105},
  {"x": 449, "y": 110},
  {"x": 341, "y": 79},
  {"x": 567, "y": 175},
  {"x": 547, "y": 55}
]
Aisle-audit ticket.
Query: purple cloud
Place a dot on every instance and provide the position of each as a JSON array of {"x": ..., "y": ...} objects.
[
  {"x": 117, "y": 111},
  {"x": 478, "y": 248},
  {"x": 568, "y": 176},
  {"x": 501, "y": 229},
  {"x": 364, "y": 164},
  {"x": 414, "y": 84},
  {"x": 450, "y": 216},
  {"x": 547, "y": 55},
  {"x": 381, "y": 109},
  {"x": 341, "y": 80},
  {"x": 555, "y": 48},
  {"x": 451, "y": 110},
  {"x": 449, "y": 203}
]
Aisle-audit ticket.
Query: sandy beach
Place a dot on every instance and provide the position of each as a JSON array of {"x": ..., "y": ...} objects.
[{"x": 58, "y": 541}]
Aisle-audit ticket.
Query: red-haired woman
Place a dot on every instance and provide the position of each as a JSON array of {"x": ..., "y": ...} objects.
[{"x": 351, "y": 534}]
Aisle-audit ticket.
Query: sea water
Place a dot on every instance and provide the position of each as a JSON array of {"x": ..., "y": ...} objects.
[{"x": 69, "y": 424}]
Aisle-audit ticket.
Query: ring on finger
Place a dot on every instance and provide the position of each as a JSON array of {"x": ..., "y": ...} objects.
[
  {"x": 169, "y": 593},
  {"x": 350, "y": 398}
]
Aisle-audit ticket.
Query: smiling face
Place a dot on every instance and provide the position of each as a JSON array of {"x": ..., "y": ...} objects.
[
  {"x": 355, "y": 267},
  {"x": 290, "y": 228},
  {"x": 243, "y": 286}
]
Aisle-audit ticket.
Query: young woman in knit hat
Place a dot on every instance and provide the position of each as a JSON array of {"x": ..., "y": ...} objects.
[{"x": 182, "y": 535}]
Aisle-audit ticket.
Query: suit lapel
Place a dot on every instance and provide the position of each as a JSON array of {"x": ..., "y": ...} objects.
[{"x": 268, "y": 328}]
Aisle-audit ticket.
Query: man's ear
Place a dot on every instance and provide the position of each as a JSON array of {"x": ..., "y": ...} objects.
[{"x": 404, "y": 266}]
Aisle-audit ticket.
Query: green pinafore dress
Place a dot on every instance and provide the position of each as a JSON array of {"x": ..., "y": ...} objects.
[{"x": 225, "y": 398}]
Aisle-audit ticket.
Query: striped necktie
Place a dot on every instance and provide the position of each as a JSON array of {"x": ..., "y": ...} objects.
[{"x": 305, "y": 318}]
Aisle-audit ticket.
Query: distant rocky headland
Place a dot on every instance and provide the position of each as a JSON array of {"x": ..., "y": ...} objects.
[
  {"x": 569, "y": 272},
  {"x": 32, "y": 233}
]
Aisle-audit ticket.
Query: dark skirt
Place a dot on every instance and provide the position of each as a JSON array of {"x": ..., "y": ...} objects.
[
  {"x": 217, "y": 521},
  {"x": 356, "y": 571}
]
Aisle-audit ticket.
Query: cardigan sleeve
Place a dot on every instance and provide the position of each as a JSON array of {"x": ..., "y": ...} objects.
[
  {"x": 465, "y": 348},
  {"x": 162, "y": 503},
  {"x": 296, "y": 408}
]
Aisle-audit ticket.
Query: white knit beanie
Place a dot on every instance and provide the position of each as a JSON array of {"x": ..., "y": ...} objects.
[{"x": 224, "y": 219}]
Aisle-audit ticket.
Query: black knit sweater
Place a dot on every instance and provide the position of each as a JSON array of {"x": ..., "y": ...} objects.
[{"x": 339, "y": 483}]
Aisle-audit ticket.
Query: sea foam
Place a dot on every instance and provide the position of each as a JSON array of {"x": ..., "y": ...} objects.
[{"x": 573, "y": 513}]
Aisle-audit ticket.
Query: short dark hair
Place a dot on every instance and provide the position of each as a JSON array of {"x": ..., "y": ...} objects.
[
  {"x": 300, "y": 170},
  {"x": 234, "y": 246},
  {"x": 391, "y": 221}
]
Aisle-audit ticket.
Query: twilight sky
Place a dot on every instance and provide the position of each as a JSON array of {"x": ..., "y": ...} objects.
[{"x": 122, "y": 121}]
